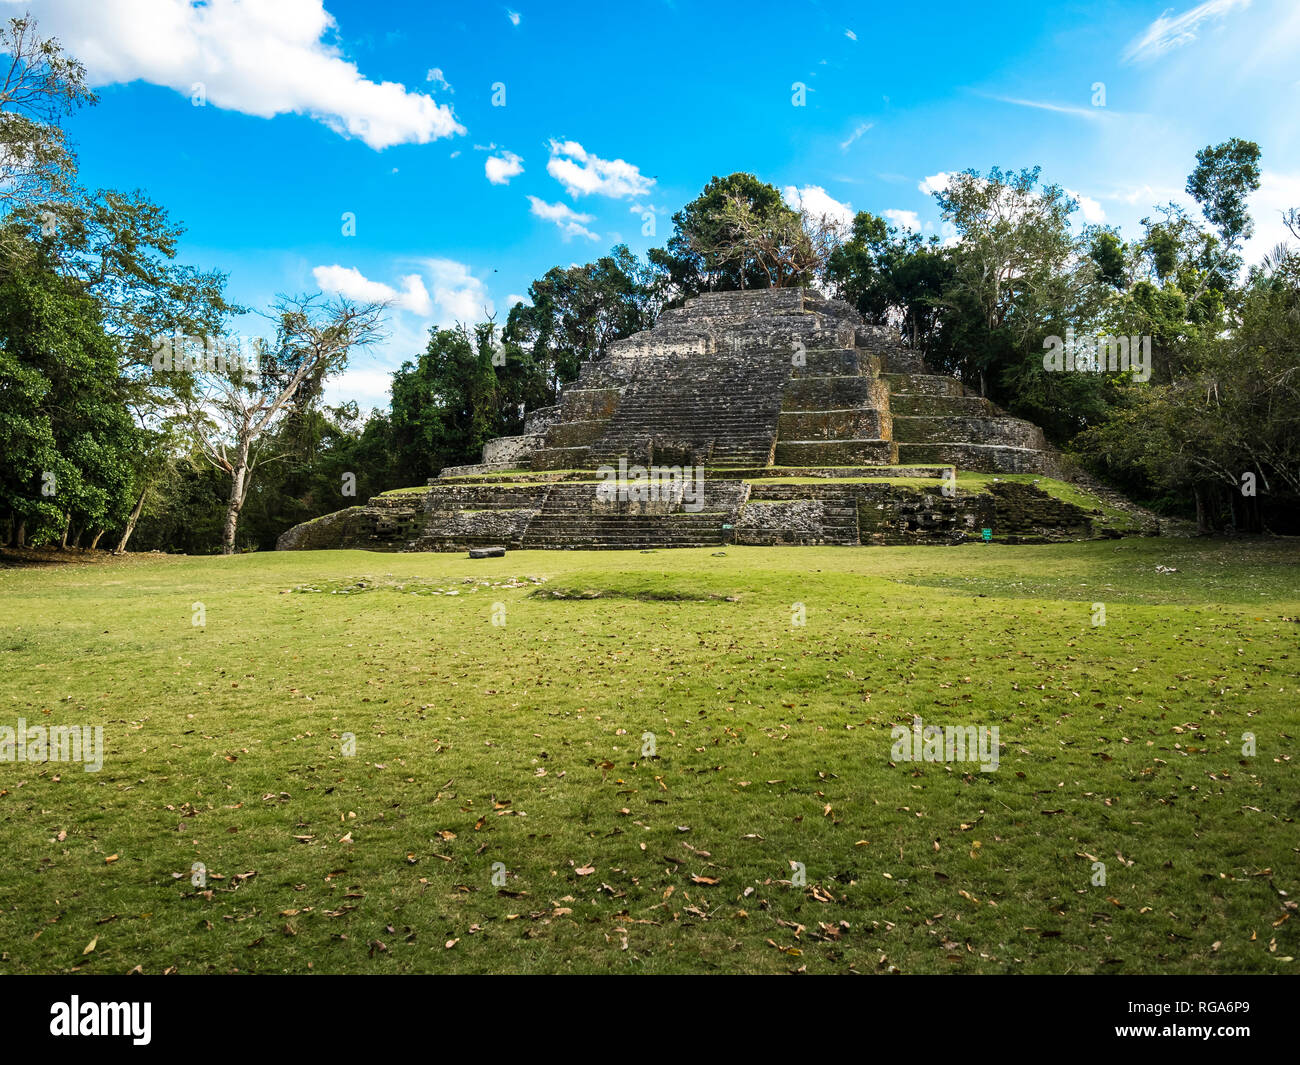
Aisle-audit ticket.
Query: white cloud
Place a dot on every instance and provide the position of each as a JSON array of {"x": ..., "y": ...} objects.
[
  {"x": 903, "y": 219},
  {"x": 850, "y": 35},
  {"x": 262, "y": 59},
  {"x": 582, "y": 173},
  {"x": 935, "y": 183},
  {"x": 350, "y": 282},
  {"x": 571, "y": 222},
  {"x": 1147, "y": 195},
  {"x": 1276, "y": 193},
  {"x": 512, "y": 299},
  {"x": 861, "y": 129},
  {"x": 370, "y": 387},
  {"x": 513, "y": 16},
  {"x": 1166, "y": 33},
  {"x": 501, "y": 168},
  {"x": 819, "y": 204},
  {"x": 435, "y": 74},
  {"x": 1092, "y": 211},
  {"x": 457, "y": 295},
  {"x": 1091, "y": 114}
]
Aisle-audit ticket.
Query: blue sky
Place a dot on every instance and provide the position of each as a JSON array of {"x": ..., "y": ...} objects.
[{"x": 311, "y": 109}]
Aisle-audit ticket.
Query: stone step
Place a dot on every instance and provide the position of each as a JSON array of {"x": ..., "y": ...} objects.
[
  {"x": 903, "y": 403},
  {"x": 898, "y": 359},
  {"x": 847, "y": 423},
  {"x": 588, "y": 404},
  {"x": 1011, "y": 432},
  {"x": 833, "y": 393},
  {"x": 475, "y": 470},
  {"x": 833, "y": 472},
  {"x": 983, "y": 458},
  {"x": 574, "y": 434},
  {"x": 541, "y": 419},
  {"x": 923, "y": 384},
  {"x": 835, "y": 362},
  {"x": 512, "y": 449},
  {"x": 835, "y": 452},
  {"x": 560, "y": 458}
]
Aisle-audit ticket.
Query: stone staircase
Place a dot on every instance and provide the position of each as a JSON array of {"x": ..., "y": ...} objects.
[
  {"x": 574, "y": 516},
  {"x": 719, "y": 411},
  {"x": 799, "y": 514}
]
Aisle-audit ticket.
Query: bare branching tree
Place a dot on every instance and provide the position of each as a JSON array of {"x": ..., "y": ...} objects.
[
  {"x": 790, "y": 247},
  {"x": 41, "y": 84},
  {"x": 243, "y": 391}
]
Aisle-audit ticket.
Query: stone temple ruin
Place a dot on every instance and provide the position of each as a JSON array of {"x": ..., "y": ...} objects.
[{"x": 773, "y": 416}]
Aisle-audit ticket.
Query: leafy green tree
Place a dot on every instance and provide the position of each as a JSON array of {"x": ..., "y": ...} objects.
[
  {"x": 1018, "y": 276},
  {"x": 446, "y": 404},
  {"x": 894, "y": 278},
  {"x": 708, "y": 251},
  {"x": 67, "y": 439},
  {"x": 325, "y": 459},
  {"x": 1225, "y": 176},
  {"x": 1107, "y": 253},
  {"x": 573, "y": 316}
]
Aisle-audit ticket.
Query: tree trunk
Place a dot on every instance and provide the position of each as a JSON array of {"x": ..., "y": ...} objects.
[
  {"x": 1203, "y": 523},
  {"x": 20, "y": 537},
  {"x": 238, "y": 490},
  {"x": 95, "y": 542},
  {"x": 63, "y": 540},
  {"x": 1249, "y": 515},
  {"x": 130, "y": 524}
]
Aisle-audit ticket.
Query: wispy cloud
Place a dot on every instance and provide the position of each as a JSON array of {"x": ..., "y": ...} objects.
[
  {"x": 1090, "y": 114},
  {"x": 1169, "y": 32},
  {"x": 571, "y": 223},
  {"x": 858, "y": 132}
]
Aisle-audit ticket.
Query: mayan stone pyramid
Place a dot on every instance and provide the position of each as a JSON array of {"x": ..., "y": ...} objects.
[{"x": 803, "y": 424}]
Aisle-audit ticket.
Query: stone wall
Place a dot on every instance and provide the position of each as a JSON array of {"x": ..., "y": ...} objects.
[
  {"x": 559, "y": 514},
  {"x": 512, "y": 449},
  {"x": 322, "y": 534}
]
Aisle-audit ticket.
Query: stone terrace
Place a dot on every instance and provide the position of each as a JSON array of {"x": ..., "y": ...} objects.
[{"x": 773, "y": 385}]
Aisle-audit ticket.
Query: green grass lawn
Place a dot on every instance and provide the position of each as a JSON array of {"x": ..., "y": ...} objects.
[{"x": 521, "y": 744}]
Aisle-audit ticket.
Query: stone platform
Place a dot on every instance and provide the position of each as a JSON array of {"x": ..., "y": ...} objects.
[{"x": 802, "y": 424}]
